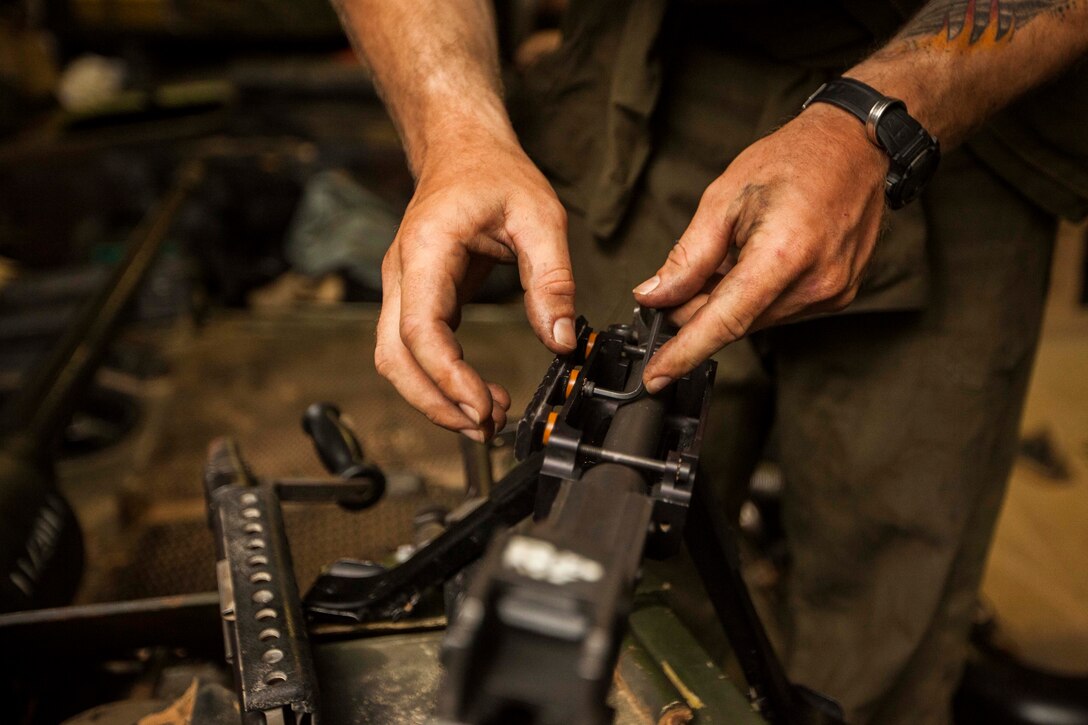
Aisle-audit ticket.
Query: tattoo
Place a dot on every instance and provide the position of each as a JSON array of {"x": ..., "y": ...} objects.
[{"x": 969, "y": 24}]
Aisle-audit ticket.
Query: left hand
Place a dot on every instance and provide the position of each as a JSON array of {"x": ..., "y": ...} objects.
[{"x": 784, "y": 233}]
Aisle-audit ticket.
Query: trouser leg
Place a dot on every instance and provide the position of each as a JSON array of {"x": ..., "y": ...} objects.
[{"x": 897, "y": 432}]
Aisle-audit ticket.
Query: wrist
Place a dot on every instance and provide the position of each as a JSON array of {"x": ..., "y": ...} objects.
[
  {"x": 455, "y": 126},
  {"x": 845, "y": 134}
]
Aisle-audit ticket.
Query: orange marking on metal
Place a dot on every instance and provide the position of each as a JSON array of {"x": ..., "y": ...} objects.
[
  {"x": 590, "y": 341},
  {"x": 550, "y": 425},
  {"x": 571, "y": 380}
]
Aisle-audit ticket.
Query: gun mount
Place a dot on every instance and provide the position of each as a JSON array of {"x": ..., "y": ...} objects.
[{"x": 607, "y": 475}]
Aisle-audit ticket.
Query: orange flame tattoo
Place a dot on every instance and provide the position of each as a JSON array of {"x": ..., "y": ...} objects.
[{"x": 992, "y": 35}]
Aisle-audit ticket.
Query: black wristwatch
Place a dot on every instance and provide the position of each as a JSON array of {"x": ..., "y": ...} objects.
[{"x": 913, "y": 152}]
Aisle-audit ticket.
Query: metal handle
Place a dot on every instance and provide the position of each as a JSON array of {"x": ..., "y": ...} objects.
[
  {"x": 341, "y": 454},
  {"x": 636, "y": 393}
]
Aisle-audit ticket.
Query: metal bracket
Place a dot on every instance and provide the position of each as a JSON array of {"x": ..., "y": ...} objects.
[{"x": 263, "y": 628}]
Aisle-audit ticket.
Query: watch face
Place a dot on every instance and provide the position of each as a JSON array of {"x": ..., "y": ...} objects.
[{"x": 914, "y": 178}]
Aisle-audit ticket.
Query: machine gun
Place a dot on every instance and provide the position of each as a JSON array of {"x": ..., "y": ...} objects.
[
  {"x": 608, "y": 474},
  {"x": 537, "y": 635}
]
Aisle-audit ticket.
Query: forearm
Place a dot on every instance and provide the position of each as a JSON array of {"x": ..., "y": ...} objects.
[
  {"x": 435, "y": 63},
  {"x": 958, "y": 61}
]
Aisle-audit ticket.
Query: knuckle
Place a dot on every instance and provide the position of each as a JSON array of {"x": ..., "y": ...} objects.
[
  {"x": 434, "y": 415},
  {"x": 383, "y": 363},
  {"x": 689, "y": 360},
  {"x": 831, "y": 285},
  {"x": 843, "y": 300},
  {"x": 390, "y": 264},
  {"x": 423, "y": 227},
  {"x": 417, "y": 233},
  {"x": 802, "y": 257},
  {"x": 445, "y": 378},
  {"x": 713, "y": 194},
  {"x": 727, "y": 326},
  {"x": 555, "y": 214},
  {"x": 412, "y": 226},
  {"x": 412, "y": 329},
  {"x": 556, "y": 282},
  {"x": 679, "y": 256},
  {"x": 681, "y": 358}
]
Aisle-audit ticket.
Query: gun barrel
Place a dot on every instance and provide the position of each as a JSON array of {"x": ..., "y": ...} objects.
[{"x": 636, "y": 431}]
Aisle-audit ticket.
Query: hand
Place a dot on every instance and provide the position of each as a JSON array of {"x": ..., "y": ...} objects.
[
  {"x": 784, "y": 233},
  {"x": 477, "y": 202}
]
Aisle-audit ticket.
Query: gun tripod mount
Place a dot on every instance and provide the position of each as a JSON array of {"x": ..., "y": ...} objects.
[
  {"x": 608, "y": 475},
  {"x": 264, "y": 630}
]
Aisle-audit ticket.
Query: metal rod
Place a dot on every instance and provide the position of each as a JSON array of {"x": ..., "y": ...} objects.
[
  {"x": 100, "y": 630},
  {"x": 476, "y": 461},
  {"x": 713, "y": 549},
  {"x": 626, "y": 459},
  {"x": 45, "y": 402}
]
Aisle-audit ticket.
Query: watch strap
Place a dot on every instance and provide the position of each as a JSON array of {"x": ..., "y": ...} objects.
[
  {"x": 886, "y": 128},
  {"x": 849, "y": 95}
]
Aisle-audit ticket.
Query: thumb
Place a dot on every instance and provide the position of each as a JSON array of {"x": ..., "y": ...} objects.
[
  {"x": 548, "y": 280},
  {"x": 694, "y": 259}
]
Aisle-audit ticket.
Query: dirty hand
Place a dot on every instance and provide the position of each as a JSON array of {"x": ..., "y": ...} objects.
[
  {"x": 784, "y": 233},
  {"x": 478, "y": 202}
]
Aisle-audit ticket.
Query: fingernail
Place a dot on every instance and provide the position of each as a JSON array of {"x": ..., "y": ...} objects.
[
  {"x": 656, "y": 385},
  {"x": 563, "y": 332},
  {"x": 473, "y": 434},
  {"x": 648, "y": 286},
  {"x": 470, "y": 412}
]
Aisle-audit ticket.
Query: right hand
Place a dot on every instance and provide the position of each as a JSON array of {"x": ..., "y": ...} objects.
[{"x": 477, "y": 202}]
